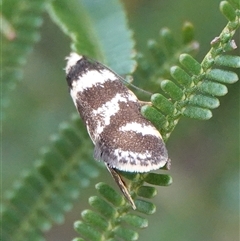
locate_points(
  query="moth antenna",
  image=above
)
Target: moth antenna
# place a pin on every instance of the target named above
(134, 86)
(123, 80)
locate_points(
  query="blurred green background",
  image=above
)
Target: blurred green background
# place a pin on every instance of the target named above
(203, 201)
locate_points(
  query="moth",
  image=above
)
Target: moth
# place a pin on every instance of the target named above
(124, 140)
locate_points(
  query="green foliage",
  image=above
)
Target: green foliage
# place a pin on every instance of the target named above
(46, 192)
(43, 195)
(111, 217)
(194, 87)
(84, 22)
(20, 22)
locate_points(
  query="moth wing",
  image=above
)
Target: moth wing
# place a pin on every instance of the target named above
(132, 161)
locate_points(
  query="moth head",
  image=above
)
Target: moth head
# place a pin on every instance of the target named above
(72, 60)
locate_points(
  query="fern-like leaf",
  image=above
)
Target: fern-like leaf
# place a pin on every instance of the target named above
(43, 195)
(20, 26)
(164, 56)
(193, 88)
(111, 218)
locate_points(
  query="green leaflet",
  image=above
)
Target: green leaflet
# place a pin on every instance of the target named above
(87, 231)
(181, 76)
(135, 220)
(158, 179)
(96, 220)
(228, 60)
(157, 118)
(197, 113)
(228, 10)
(172, 89)
(190, 63)
(92, 29)
(205, 101)
(212, 88)
(188, 32)
(146, 191)
(163, 104)
(126, 233)
(222, 76)
(110, 194)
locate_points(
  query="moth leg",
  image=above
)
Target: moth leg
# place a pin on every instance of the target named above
(121, 185)
(144, 103)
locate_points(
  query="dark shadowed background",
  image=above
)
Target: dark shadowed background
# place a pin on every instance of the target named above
(203, 201)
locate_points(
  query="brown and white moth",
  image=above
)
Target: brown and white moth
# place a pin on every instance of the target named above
(123, 138)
